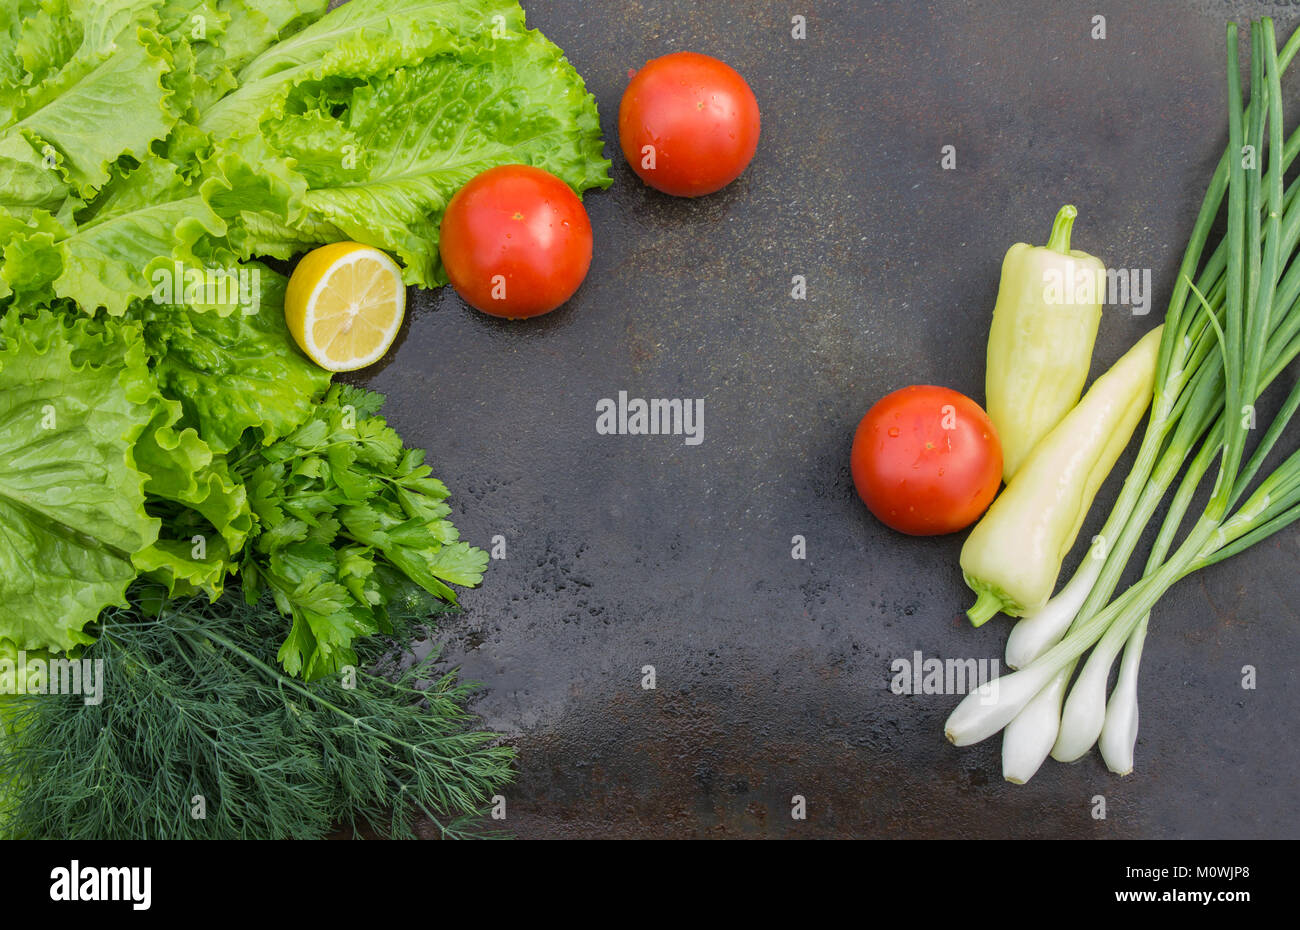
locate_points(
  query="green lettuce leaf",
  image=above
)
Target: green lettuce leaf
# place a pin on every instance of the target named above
(154, 217)
(30, 260)
(29, 179)
(74, 398)
(212, 518)
(72, 119)
(237, 371)
(12, 73)
(224, 35)
(41, 38)
(156, 190)
(359, 39)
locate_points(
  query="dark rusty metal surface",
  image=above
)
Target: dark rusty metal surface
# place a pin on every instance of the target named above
(772, 673)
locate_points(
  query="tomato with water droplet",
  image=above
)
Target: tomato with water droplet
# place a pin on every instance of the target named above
(688, 124)
(926, 460)
(516, 242)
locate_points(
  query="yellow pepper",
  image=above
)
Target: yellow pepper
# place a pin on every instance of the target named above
(1013, 556)
(1040, 343)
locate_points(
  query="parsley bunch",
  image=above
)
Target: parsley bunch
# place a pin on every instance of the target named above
(346, 517)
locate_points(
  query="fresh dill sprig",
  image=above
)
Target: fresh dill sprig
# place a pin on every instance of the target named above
(201, 735)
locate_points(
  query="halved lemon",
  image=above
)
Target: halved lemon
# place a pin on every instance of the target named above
(344, 305)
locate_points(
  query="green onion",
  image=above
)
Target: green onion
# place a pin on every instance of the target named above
(1119, 732)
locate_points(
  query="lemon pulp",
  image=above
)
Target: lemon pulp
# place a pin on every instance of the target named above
(344, 305)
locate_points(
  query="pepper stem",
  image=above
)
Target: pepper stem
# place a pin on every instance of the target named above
(987, 605)
(1060, 238)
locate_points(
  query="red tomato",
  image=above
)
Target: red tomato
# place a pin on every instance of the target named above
(688, 124)
(516, 242)
(926, 460)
